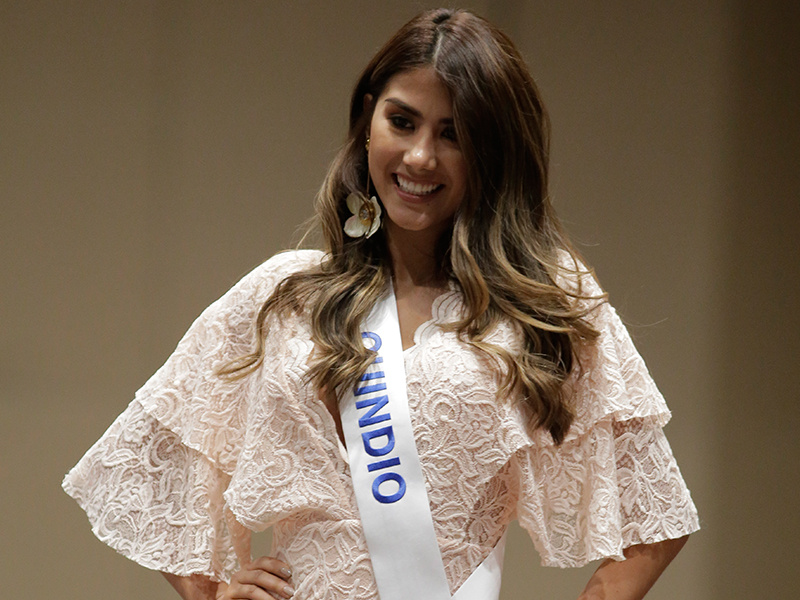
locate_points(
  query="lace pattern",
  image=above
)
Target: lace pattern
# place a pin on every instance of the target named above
(192, 449)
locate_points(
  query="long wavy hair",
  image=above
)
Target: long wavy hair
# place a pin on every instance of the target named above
(505, 249)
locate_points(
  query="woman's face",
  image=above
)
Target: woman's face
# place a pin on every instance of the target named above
(415, 160)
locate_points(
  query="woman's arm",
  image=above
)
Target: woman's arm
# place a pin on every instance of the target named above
(632, 578)
(263, 579)
(194, 587)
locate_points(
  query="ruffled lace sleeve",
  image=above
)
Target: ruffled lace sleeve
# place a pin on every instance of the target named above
(153, 485)
(614, 481)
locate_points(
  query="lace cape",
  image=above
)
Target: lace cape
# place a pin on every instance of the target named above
(163, 484)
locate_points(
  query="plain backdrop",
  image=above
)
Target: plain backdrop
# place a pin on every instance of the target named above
(151, 153)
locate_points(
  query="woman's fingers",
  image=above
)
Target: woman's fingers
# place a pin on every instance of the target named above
(263, 579)
(272, 565)
(253, 592)
(255, 585)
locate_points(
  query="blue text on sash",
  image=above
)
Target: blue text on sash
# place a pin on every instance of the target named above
(378, 441)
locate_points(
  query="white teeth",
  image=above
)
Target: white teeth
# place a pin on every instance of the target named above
(418, 189)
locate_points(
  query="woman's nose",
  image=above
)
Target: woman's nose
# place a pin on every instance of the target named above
(422, 154)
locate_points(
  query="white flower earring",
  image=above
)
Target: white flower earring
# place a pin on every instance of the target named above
(366, 218)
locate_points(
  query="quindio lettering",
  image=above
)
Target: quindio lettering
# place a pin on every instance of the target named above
(377, 434)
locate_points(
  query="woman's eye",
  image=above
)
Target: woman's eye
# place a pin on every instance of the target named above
(400, 122)
(449, 133)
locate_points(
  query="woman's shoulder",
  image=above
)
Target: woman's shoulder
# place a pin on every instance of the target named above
(575, 277)
(287, 262)
(278, 267)
(236, 309)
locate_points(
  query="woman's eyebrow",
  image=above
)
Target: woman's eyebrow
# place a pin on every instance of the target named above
(411, 110)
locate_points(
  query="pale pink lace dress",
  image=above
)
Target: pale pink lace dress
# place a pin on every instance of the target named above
(192, 450)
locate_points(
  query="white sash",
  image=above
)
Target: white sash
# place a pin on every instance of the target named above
(388, 480)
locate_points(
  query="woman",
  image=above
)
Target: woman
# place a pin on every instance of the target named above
(526, 397)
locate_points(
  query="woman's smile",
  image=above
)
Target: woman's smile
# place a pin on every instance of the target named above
(414, 188)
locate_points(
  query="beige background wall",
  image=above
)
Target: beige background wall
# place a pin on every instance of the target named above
(153, 152)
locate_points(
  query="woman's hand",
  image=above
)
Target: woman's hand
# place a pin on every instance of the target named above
(265, 578)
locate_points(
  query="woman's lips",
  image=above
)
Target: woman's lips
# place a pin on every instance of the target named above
(415, 188)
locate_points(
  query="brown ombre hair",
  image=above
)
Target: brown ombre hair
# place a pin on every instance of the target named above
(506, 249)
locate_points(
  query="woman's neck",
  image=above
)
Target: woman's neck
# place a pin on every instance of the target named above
(414, 259)
(418, 278)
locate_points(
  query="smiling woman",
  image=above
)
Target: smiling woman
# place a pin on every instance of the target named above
(389, 404)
